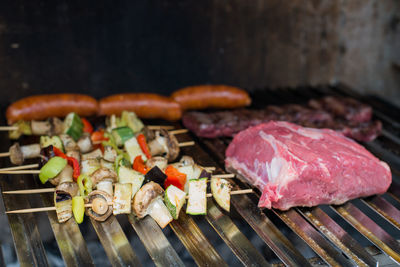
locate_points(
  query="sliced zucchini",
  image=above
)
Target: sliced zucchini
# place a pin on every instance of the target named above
(221, 191)
(134, 150)
(128, 175)
(132, 121)
(89, 166)
(121, 135)
(73, 126)
(174, 199)
(24, 128)
(55, 141)
(197, 202)
(122, 199)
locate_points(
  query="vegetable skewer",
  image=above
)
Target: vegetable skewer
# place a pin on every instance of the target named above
(236, 192)
(52, 189)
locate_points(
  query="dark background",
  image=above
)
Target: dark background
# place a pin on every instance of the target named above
(105, 47)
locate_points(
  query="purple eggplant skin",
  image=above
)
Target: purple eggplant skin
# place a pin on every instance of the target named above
(156, 175)
(46, 154)
(205, 174)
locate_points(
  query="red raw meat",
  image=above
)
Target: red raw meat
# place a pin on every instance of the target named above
(297, 166)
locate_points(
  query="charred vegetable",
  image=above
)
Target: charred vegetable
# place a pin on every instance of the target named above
(197, 202)
(148, 201)
(174, 200)
(221, 191)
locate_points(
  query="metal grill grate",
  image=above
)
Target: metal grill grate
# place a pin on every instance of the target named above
(318, 227)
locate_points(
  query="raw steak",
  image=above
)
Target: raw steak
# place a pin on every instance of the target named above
(297, 166)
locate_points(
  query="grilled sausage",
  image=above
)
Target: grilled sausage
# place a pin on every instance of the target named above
(40, 107)
(145, 105)
(211, 96)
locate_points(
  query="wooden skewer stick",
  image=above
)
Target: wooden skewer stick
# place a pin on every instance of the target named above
(209, 169)
(23, 167)
(158, 127)
(179, 131)
(236, 192)
(190, 143)
(151, 127)
(8, 128)
(4, 154)
(31, 191)
(21, 172)
(229, 175)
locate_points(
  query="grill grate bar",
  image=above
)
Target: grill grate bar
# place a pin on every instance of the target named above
(314, 239)
(338, 236)
(385, 209)
(24, 230)
(369, 229)
(223, 225)
(233, 237)
(155, 242)
(115, 243)
(195, 242)
(69, 238)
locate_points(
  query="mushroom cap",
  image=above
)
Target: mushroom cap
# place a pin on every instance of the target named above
(172, 143)
(68, 142)
(186, 160)
(65, 176)
(144, 197)
(149, 134)
(103, 174)
(16, 156)
(57, 126)
(91, 197)
(69, 188)
(158, 161)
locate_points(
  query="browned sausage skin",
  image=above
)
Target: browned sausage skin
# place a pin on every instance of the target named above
(211, 96)
(40, 107)
(145, 105)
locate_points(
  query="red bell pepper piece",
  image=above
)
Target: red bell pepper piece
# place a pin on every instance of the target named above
(175, 178)
(87, 127)
(71, 161)
(138, 165)
(98, 136)
(141, 139)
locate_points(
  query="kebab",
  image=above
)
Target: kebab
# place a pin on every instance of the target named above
(102, 180)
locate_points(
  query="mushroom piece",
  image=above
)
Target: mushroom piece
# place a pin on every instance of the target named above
(65, 176)
(41, 127)
(160, 162)
(95, 154)
(186, 160)
(103, 178)
(100, 209)
(149, 201)
(149, 134)
(68, 142)
(19, 153)
(57, 126)
(85, 143)
(16, 156)
(70, 188)
(164, 144)
(110, 154)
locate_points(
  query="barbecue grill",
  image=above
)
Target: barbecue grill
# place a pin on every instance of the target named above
(362, 232)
